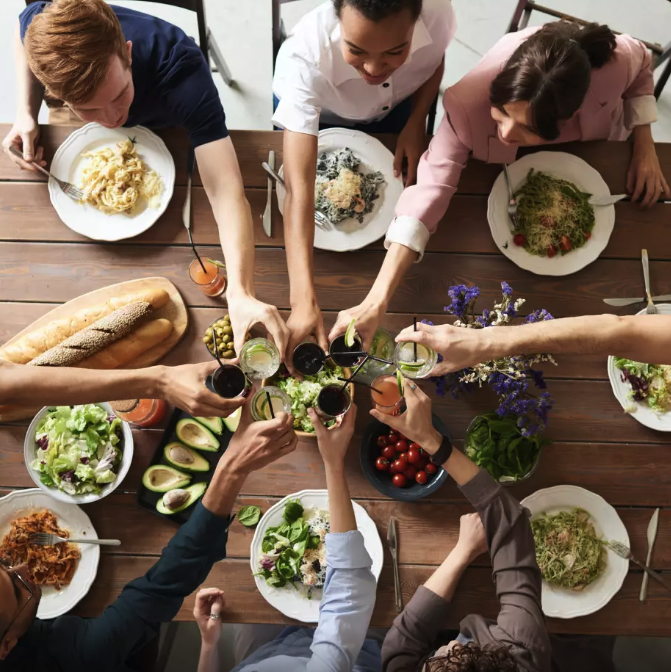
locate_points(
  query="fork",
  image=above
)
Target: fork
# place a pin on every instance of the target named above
(624, 552)
(46, 539)
(512, 203)
(651, 308)
(67, 188)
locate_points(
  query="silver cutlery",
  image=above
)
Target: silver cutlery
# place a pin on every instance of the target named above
(652, 535)
(512, 203)
(624, 552)
(67, 188)
(321, 220)
(600, 201)
(392, 542)
(267, 213)
(651, 308)
(45, 539)
(186, 209)
(631, 302)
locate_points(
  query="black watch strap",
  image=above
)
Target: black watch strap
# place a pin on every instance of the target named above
(443, 453)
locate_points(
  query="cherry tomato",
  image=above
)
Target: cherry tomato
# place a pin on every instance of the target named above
(431, 469)
(382, 464)
(398, 466)
(399, 480)
(402, 438)
(403, 457)
(410, 472)
(402, 446)
(393, 436)
(565, 243)
(382, 441)
(416, 446)
(519, 239)
(389, 452)
(552, 250)
(421, 477)
(422, 464)
(414, 456)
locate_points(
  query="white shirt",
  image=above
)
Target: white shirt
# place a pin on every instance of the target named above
(314, 82)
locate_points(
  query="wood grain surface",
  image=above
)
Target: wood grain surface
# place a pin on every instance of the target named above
(595, 445)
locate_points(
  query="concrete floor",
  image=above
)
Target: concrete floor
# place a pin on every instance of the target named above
(243, 31)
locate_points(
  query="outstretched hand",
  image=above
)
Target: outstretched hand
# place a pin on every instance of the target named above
(207, 612)
(333, 442)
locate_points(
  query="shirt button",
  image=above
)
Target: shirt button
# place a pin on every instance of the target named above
(385, 108)
(386, 85)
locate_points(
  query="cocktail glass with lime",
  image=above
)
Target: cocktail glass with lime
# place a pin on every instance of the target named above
(383, 348)
(279, 402)
(259, 358)
(415, 360)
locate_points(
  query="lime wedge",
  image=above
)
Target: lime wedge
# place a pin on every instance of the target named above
(412, 366)
(219, 264)
(401, 383)
(349, 335)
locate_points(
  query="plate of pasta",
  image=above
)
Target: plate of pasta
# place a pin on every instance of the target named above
(559, 231)
(127, 176)
(64, 572)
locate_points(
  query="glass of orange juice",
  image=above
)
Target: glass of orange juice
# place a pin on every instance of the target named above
(211, 281)
(140, 412)
(386, 396)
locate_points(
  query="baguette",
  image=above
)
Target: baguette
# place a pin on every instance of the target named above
(96, 337)
(130, 347)
(38, 341)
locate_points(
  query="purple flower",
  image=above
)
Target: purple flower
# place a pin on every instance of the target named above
(538, 316)
(42, 442)
(506, 289)
(463, 298)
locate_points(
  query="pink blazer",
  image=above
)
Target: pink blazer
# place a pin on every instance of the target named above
(620, 97)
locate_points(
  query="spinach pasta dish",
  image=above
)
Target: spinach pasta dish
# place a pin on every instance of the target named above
(568, 552)
(554, 215)
(341, 191)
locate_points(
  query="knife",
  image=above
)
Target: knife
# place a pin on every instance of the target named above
(652, 535)
(606, 200)
(267, 214)
(393, 543)
(630, 302)
(186, 210)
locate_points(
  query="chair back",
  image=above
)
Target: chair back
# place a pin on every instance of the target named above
(279, 34)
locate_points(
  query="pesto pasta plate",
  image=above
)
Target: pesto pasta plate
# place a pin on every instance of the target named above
(577, 518)
(559, 232)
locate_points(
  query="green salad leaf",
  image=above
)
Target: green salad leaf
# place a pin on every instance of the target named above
(249, 515)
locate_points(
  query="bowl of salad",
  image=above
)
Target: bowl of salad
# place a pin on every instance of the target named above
(78, 454)
(303, 392)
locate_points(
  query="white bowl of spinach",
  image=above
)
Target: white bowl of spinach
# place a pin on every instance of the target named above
(497, 445)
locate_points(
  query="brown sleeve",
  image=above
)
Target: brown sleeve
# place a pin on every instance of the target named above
(414, 632)
(518, 580)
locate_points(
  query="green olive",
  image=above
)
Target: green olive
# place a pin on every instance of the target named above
(248, 337)
(206, 340)
(225, 338)
(230, 345)
(228, 330)
(227, 319)
(227, 354)
(208, 332)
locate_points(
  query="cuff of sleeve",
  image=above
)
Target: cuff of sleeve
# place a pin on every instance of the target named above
(208, 522)
(295, 118)
(346, 550)
(431, 609)
(481, 489)
(640, 111)
(410, 232)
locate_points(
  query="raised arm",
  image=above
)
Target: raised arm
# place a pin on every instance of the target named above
(349, 592)
(220, 172)
(300, 169)
(25, 132)
(643, 338)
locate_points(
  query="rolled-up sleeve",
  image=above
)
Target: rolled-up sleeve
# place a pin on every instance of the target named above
(640, 106)
(346, 606)
(421, 207)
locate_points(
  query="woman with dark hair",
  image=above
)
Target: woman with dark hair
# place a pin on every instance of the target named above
(370, 65)
(559, 83)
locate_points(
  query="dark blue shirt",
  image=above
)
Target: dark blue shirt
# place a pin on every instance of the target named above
(172, 80)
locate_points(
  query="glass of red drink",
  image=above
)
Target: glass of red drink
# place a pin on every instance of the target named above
(140, 412)
(333, 401)
(229, 381)
(211, 281)
(387, 399)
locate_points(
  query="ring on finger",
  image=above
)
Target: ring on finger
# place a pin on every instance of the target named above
(215, 617)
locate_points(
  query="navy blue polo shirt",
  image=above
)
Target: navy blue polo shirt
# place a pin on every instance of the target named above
(172, 80)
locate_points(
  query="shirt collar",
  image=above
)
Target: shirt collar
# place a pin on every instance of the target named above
(342, 71)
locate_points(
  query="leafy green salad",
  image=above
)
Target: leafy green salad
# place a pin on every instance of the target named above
(650, 383)
(79, 449)
(295, 552)
(303, 394)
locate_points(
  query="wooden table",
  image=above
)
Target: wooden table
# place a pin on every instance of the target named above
(596, 445)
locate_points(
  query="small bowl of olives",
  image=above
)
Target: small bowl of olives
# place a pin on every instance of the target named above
(220, 335)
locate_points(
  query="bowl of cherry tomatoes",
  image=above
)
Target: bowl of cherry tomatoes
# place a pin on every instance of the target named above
(398, 467)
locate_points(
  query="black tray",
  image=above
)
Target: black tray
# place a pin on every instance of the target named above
(147, 498)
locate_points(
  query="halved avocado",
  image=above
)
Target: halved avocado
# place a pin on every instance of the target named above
(195, 435)
(185, 458)
(161, 478)
(233, 420)
(213, 423)
(180, 498)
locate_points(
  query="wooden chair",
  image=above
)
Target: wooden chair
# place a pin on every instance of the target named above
(279, 35)
(660, 54)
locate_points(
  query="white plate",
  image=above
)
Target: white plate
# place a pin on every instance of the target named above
(349, 234)
(68, 164)
(563, 603)
(567, 167)
(621, 389)
(293, 603)
(76, 522)
(30, 452)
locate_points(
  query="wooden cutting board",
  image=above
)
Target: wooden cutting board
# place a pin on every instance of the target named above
(175, 311)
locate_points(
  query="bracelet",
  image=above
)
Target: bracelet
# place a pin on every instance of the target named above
(443, 453)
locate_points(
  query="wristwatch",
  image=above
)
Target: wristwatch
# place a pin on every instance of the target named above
(443, 453)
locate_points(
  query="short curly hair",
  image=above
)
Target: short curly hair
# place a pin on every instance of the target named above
(378, 10)
(473, 658)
